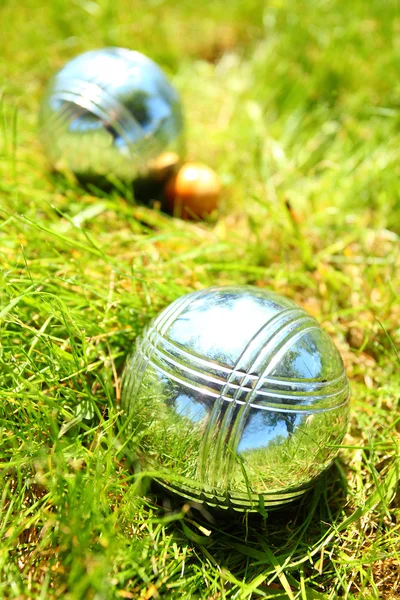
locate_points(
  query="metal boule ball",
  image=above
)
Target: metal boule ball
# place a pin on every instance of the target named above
(238, 398)
(111, 113)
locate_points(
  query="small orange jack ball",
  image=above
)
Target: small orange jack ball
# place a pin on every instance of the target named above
(193, 191)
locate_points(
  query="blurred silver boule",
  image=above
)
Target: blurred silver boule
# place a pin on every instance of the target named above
(236, 398)
(111, 113)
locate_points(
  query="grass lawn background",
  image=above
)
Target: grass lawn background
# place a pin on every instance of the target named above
(297, 106)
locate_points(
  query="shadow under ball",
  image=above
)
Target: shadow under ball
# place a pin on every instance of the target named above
(236, 398)
(112, 113)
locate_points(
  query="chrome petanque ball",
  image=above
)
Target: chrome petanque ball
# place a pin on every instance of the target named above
(236, 398)
(111, 112)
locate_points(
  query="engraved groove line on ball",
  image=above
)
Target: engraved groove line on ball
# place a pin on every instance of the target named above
(270, 358)
(237, 498)
(280, 382)
(76, 102)
(212, 393)
(271, 407)
(265, 392)
(92, 94)
(265, 339)
(164, 319)
(59, 119)
(270, 394)
(76, 111)
(146, 359)
(283, 382)
(256, 343)
(283, 338)
(88, 96)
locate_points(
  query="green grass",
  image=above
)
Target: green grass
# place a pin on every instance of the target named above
(297, 106)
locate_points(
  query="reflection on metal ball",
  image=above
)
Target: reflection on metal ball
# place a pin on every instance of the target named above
(238, 398)
(111, 112)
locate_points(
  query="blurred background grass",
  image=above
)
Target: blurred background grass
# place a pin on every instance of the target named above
(296, 105)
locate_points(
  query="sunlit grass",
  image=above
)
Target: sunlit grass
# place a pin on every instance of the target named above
(296, 105)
